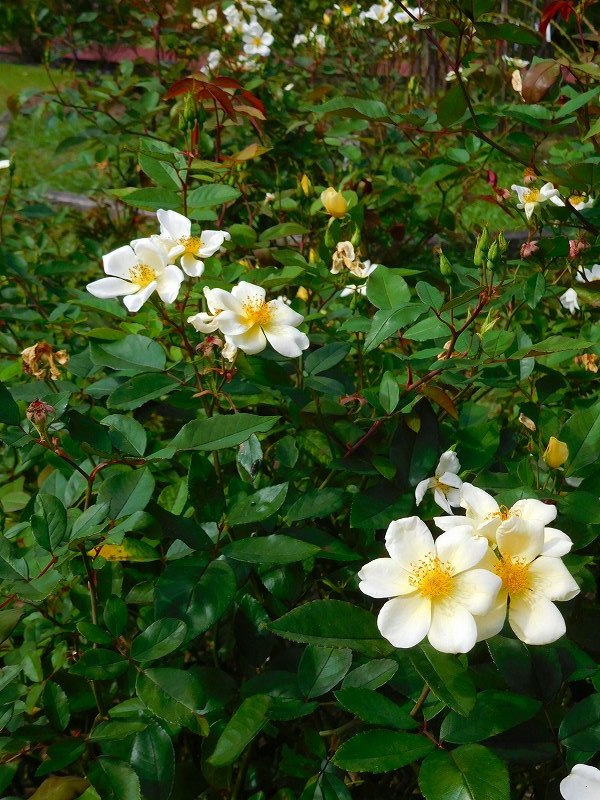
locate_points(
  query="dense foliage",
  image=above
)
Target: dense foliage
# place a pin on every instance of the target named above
(300, 420)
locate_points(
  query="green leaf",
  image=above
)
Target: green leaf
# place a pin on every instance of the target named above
(387, 321)
(242, 728)
(258, 506)
(471, 772)
(161, 171)
(115, 730)
(128, 436)
(158, 640)
(494, 343)
(452, 106)
(114, 780)
(325, 358)
(507, 31)
(316, 503)
(115, 615)
(577, 102)
(174, 695)
(375, 709)
(580, 728)
(100, 665)
(49, 523)
(197, 593)
(141, 389)
(534, 289)
(56, 705)
(389, 392)
(219, 432)
(153, 759)
(274, 549)
(134, 353)
(381, 751)
(127, 492)
(90, 521)
(446, 677)
(494, 712)
(429, 295)
(148, 199)
(386, 288)
(354, 107)
(371, 675)
(66, 787)
(214, 194)
(333, 623)
(582, 435)
(9, 410)
(322, 668)
(282, 230)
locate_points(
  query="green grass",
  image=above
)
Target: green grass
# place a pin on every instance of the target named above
(17, 78)
(35, 131)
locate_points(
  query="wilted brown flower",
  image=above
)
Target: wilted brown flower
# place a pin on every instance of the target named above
(527, 422)
(39, 413)
(41, 361)
(588, 361)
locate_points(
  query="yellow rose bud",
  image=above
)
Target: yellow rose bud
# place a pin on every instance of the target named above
(334, 202)
(326, 19)
(306, 185)
(313, 256)
(556, 453)
(302, 294)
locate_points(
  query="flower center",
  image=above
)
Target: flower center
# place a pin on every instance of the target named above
(514, 574)
(257, 41)
(192, 244)
(432, 577)
(142, 275)
(257, 311)
(532, 196)
(575, 199)
(503, 514)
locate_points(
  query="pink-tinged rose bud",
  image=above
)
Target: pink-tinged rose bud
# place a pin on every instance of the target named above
(576, 246)
(529, 175)
(39, 414)
(528, 249)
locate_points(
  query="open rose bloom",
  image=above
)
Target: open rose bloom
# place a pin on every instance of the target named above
(582, 784)
(436, 586)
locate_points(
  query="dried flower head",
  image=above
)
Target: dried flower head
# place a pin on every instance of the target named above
(588, 361)
(41, 361)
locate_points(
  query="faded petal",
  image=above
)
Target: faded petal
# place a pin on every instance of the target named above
(203, 322)
(192, 266)
(106, 288)
(550, 577)
(404, 621)
(135, 301)
(476, 590)
(252, 341)
(173, 225)
(119, 262)
(556, 543)
(453, 628)
(535, 619)
(520, 538)
(286, 340)
(408, 541)
(384, 577)
(168, 283)
(461, 548)
(441, 499)
(582, 784)
(448, 463)
(421, 488)
(490, 624)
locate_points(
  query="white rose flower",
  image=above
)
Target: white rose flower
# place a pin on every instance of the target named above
(582, 784)
(378, 12)
(445, 483)
(268, 11)
(5, 163)
(515, 63)
(580, 201)
(136, 271)
(530, 198)
(249, 321)
(176, 234)
(569, 300)
(489, 519)
(434, 586)
(257, 41)
(533, 576)
(585, 275)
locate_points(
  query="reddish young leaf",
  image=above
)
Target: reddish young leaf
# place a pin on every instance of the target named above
(539, 79)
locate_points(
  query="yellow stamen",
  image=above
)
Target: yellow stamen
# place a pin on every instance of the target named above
(257, 311)
(514, 574)
(192, 244)
(142, 275)
(432, 577)
(575, 199)
(531, 196)
(503, 514)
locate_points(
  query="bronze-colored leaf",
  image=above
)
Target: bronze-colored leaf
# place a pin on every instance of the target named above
(539, 79)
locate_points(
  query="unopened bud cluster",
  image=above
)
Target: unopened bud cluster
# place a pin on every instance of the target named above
(489, 253)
